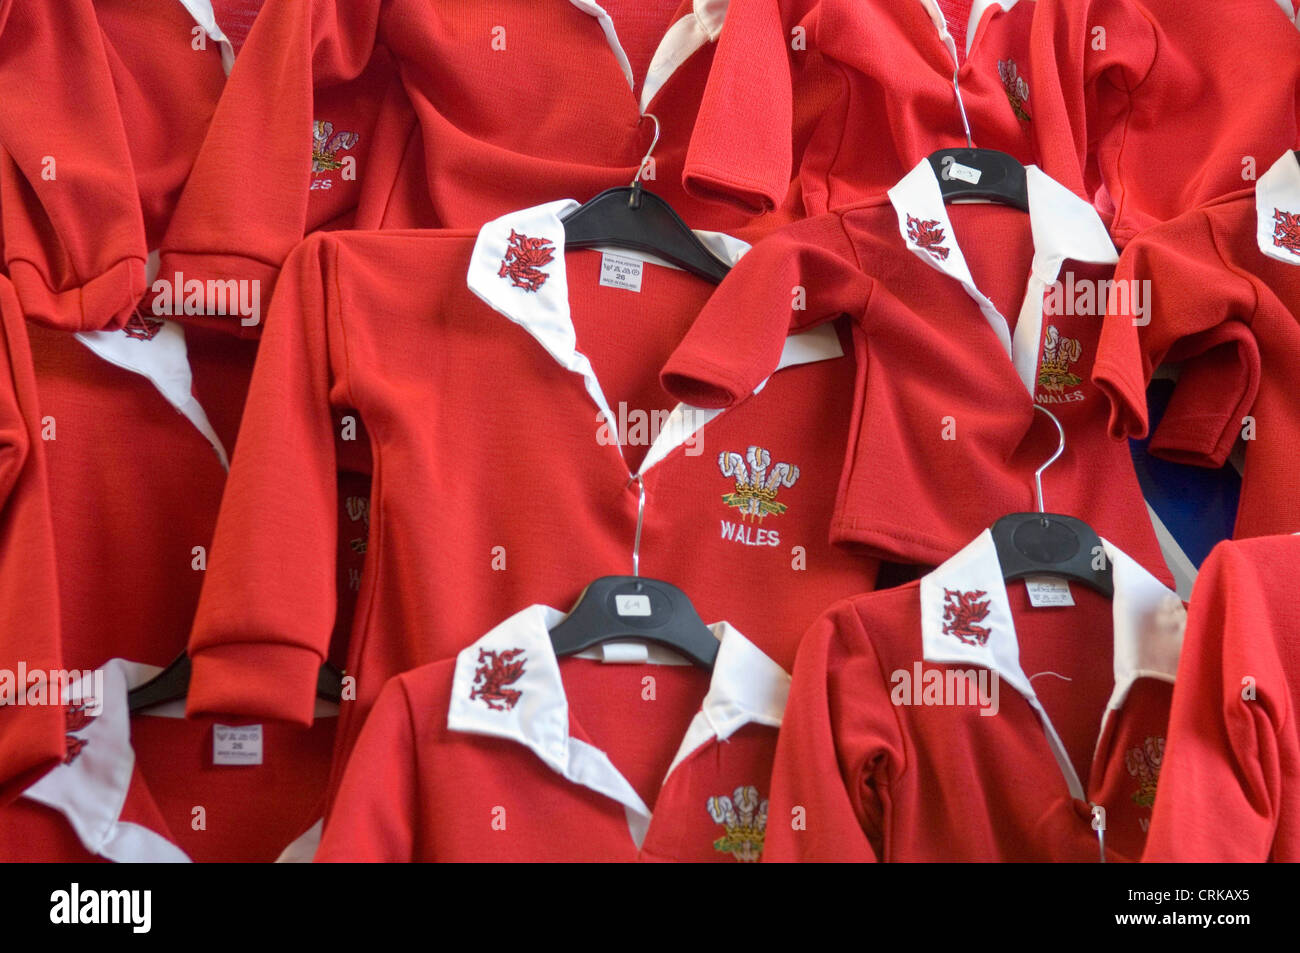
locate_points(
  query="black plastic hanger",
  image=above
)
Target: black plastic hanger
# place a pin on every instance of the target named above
(997, 176)
(635, 218)
(972, 173)
(173, 684)
(1033, 544)
(623, 607)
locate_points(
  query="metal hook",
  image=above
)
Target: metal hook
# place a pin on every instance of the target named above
(961, 107)
(640, 519)
(634, 200)
(1060, 449)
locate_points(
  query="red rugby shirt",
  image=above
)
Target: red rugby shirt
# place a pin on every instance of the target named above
(1224, 305)
(944, 438)
(504, 753)
(890, 751)
(1230, 781)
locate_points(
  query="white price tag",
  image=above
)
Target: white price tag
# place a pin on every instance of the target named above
(964, 172)
(632, 605)
(1048, 591)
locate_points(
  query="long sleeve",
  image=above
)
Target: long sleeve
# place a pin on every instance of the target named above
(1229, 786)
(244, 206)
(267, 608)
(31, 736)
(839, 734)
(74, 234)
(377, 810)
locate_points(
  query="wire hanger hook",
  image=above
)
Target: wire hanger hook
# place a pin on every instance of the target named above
(640, 520)
(1060, 449)
(634, 200)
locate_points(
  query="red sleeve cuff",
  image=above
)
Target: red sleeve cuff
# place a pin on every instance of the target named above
(104, 303)
(255, 680)
(699, 382)
(220, 310)
(1128, 400)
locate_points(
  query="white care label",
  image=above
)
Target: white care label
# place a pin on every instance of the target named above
(632, 605)
(241, 745)
(964, 172)
(1048, 591)
(619, 271)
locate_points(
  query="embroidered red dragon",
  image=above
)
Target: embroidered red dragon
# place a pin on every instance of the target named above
(524, 260)
(927, 235)
(496, 671)
(141, 328)
(961, 612)
(1286, 230)
(76, 718)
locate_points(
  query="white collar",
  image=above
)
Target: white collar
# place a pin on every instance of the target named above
(1292, 13)
(204, 16)
(977, 9)
(544, 312)
(679, 43)
(1148, 621)
(746, 687)
(91, 790)
(1062, 225)
(1277, 209)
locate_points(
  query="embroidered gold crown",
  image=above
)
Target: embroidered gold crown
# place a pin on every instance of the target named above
(1055, 369)
(756, 484)
(744, 818)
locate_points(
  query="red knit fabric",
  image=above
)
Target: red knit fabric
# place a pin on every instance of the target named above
(1230, 779)
(1231, 315)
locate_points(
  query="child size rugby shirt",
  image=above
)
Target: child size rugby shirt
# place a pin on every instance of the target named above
(147, 405)
(944, 437)
(1153, 107)
(504, 753)
(1230, 777)
(951, 720)
(513, 411)
(109, 101)
(30, 735)
(156, 788)
(1224, 296)
(882, 74)
(475, 131)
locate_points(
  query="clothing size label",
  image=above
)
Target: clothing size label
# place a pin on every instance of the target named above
(964, 172)
(236, 746)
(632, 605)
(1048, 591)
(618, 271)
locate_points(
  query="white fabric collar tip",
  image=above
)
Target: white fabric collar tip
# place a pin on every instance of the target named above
(966, 619)
(91, 789)
(1277, 210)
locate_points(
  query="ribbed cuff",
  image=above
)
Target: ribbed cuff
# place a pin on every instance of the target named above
(104, 303)
(255, 280)
(255, 680)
